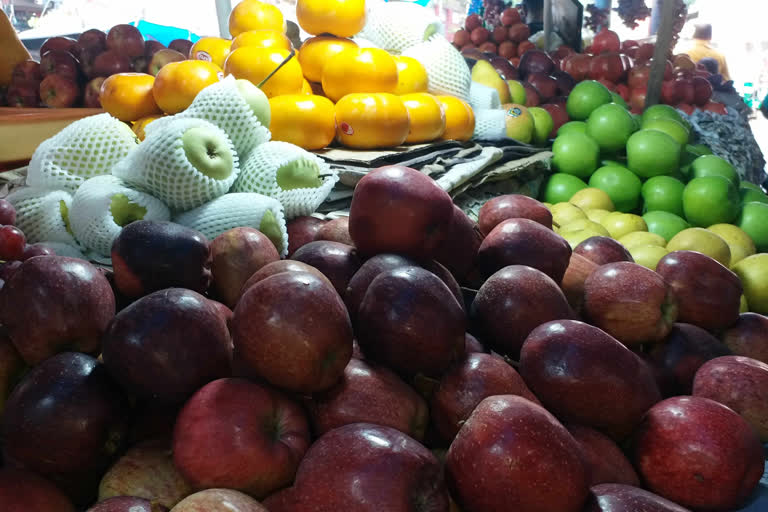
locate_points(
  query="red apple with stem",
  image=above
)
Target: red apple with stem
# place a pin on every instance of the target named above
(125, 40)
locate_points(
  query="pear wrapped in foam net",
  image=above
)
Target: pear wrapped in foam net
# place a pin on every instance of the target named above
(395, 26)
(67, 250)
(223, 104)
(240, 210)
(490, 124)
(297, 178)
(482, 97)
(84, 149)
(103, 205)
(447, 71)
(160, 166)
(43, 214)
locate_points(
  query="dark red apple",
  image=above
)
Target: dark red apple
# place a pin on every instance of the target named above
(57, 91)
(219, 500)
(370, 468)
(579, 269)
(611, 86)
(489, 48)
(24, 94)
(141, 64)
(110, 63)
(466, 384)
(66, 44)
(236, 254)
(606, 462)
(544, 84)
(37, 307)
(418, 213)
(638, 76)
(585, 376)
(368, 393)
(577, 65)
(11, 368)
(92, 96)
(162, 57)
(153, 255)
(702, 90)
(508, 50)
(559, 117)
(363, 278)
(534, 61)
(461, 38)
(127, 504)
(602, 250)
(740, 383)
(748, 337)
(565, 82)
(626, 498)
(623, 91)
(410, 321)
(473, 346)
(279, 267)
(637, 97)
(630, 302)
(669, 93)
(61, 63)
(532, 97)
(460, 245)
(237, 434)
(66, 420)
(716, 107)
(24, 491)
(293, 330)
(606, 41)
(27, 70)
(93, 38)
(505, 69)
(146, 471)
(166, 345)
(479, 36)
(644, 52)
(182, 46)
(510, 16)
(301, 231)
(685, 90)
(126, 40)
(698, 453)
(518, 32)
(525, 454)
(337, 261)
(335, 230)
(524, 242)
(151, 47)
(608, 66)
(708, 294)
(513, 302)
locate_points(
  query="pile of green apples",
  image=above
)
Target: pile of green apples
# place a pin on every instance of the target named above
(639, 180)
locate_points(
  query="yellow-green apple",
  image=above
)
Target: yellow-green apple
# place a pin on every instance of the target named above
(748, 336)
(620, 224)
(507, 436)
(648, 255)
(219, 500)
(703, 241)
(585, 376)
(237, 434)
(753, 272)
(606, 462)
(162, 57)
(698, 453)
(338, 262)
(739, 243)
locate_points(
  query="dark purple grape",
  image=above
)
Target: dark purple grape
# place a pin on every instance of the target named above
(7, 213)
(12, 242)
(31, 250)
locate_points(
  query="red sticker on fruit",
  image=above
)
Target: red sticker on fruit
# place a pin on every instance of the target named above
(347, 129)
(201, 55)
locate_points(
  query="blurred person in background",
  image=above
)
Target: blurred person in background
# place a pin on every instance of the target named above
(702, 47)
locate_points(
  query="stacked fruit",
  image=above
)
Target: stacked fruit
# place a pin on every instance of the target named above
(509, 39)
(13, 244)
(356, 374)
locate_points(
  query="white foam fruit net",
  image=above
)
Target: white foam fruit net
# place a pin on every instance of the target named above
(259, 171)
(101, 207)
(395, 26)
(43, 214)
(159, 166)
(490, 125)
(482, 97)
(223, 105)
(447, 71)
(86, 148)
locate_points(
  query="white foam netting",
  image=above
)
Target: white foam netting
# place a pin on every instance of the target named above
(447, 70)
(67, 250)
(259, 174)
(395, 26)
(490, 125)
(159, 166)
(86, 148)
(223, 105)
(482, 97)
(91, 214)
(238, 210)
(39, 214)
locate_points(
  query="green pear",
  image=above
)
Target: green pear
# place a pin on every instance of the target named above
(271, 229)
(301, 173)
(208, 152)
(124, 211)
(485, 74)
(516, 92)
(64, 210)
(256, 99)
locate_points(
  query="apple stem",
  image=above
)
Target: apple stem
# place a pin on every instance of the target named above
(285, 61)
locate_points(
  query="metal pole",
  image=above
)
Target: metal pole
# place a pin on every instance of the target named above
(547, 23)
(223, 8)
(663, 42)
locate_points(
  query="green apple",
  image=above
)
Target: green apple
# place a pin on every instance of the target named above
(674, 129)
(300, 173)
(751, 186)
(621, 185)
(712, 165)
(596, 214)
(516, 92)
(542, 124)
(607, 161)
(710, 200)
(640, 238)
(256, 99)
(575, 153)
(665, 224)
(663, 193)
(565, 213)
(652, 153)
(753, 272)
(272, 229)
(647, 255)
(571, 127)
(754, 222)
(585, 97)
(124, 211)
(619, 224)
(703, 241)
(617, 99)
(208, 152)
(519, 123)
(585, 223)
(662, 111)
(743, 304)
(560, 187)
(610, 125)
(592, 198)
(749, 195)
(739, 242)
(701, 149)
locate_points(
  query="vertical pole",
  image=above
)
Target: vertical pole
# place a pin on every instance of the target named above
(547, 23)
(663, 41)
(653, 26)
(223, 8)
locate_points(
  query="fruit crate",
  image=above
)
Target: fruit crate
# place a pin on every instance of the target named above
(23, 129)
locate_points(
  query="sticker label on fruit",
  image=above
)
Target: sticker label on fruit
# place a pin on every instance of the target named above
(514, 112)
(347, 129)
(201, 55)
